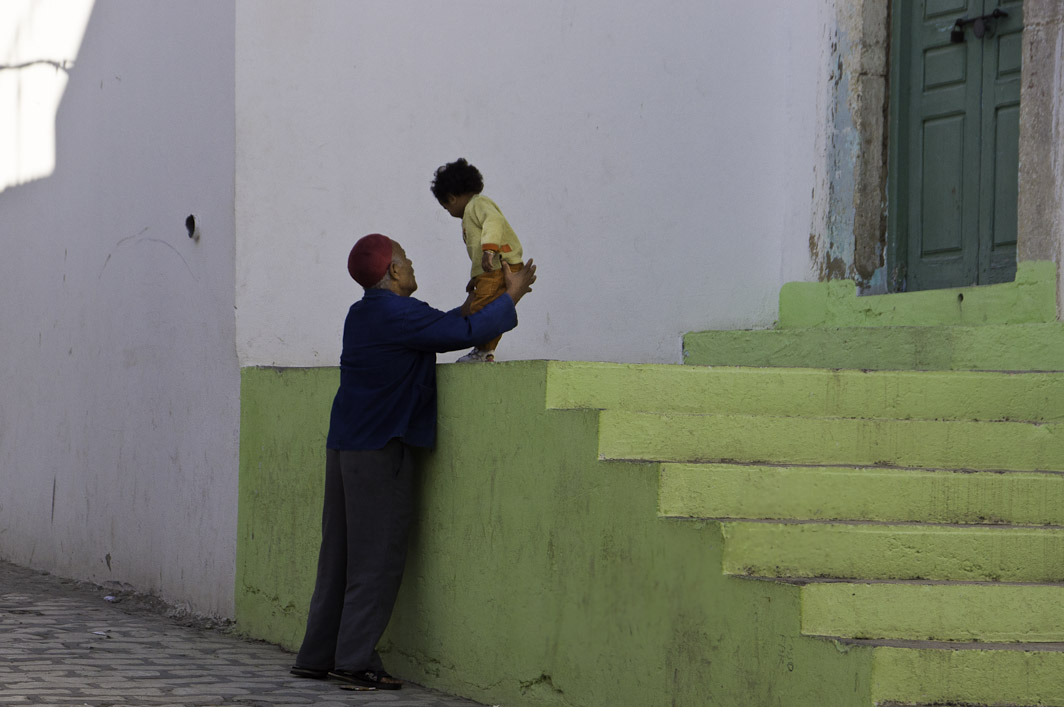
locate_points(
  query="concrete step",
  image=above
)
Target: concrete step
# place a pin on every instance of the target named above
(860, 493)
(863, 550)
(891, 703)
(1030, 298)
(678, 437)
(935, 611)
(805, 392)
(969, 674)
(1007, 326)
(1012, 347)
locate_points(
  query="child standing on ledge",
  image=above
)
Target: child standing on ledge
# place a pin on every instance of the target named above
(488, 237)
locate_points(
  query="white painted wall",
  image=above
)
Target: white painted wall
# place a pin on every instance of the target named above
(119, 378)
(656, 158)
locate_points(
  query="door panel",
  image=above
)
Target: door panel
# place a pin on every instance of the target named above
(942, 114)
(936, 8)
(954, 143)
(1006, 187)
(941, 188)
(1010, 44)
(944, 66)
(1000, 145)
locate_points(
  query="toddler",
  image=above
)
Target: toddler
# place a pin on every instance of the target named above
(488, 237)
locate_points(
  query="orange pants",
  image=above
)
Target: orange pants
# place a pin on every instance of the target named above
(485, 288)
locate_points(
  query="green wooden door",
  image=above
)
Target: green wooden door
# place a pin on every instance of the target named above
(954, 142)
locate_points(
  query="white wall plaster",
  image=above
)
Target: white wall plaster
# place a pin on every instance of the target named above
(656, 160)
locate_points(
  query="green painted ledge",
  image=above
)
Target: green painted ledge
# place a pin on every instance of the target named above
(944, 611)
(807, 392)
(538, 575)
(1031, 298)
(944, 444)
(977, 675)
(828, 493)
(880, 551)
(1007, 327)
(998, 347)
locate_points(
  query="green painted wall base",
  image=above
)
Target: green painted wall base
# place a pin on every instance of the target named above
(670, 535)
(284, 418)
(538, 574)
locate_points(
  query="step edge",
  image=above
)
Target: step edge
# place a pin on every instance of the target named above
(883, 524)
(805, 581)
(910, 644)
(856, 521)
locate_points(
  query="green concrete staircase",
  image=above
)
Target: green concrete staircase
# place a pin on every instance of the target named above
(920, 513)
(898, 458)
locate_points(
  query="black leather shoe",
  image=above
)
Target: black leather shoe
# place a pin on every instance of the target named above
(301, 672)
(374, 679)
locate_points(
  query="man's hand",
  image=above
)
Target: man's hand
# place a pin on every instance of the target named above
(519, 283)
(487, 261)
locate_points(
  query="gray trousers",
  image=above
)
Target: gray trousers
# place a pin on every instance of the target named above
(364, 527)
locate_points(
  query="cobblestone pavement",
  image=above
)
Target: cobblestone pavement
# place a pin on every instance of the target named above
(62, 643)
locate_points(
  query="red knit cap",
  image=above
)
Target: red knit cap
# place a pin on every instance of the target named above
(369, 259)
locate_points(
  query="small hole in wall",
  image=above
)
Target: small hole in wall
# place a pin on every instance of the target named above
(190, 225)
(960, 295)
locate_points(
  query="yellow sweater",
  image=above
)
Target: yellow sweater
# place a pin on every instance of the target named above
(485, 228)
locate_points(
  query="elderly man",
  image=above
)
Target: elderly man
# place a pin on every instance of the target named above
(386, 404)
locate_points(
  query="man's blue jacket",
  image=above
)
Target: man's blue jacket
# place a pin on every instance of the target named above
(388, 366)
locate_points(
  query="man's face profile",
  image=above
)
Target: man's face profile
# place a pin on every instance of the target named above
(404, 272)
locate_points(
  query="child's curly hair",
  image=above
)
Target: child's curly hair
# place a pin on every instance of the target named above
(456, 178)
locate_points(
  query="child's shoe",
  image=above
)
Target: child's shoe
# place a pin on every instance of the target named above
(478, 356)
